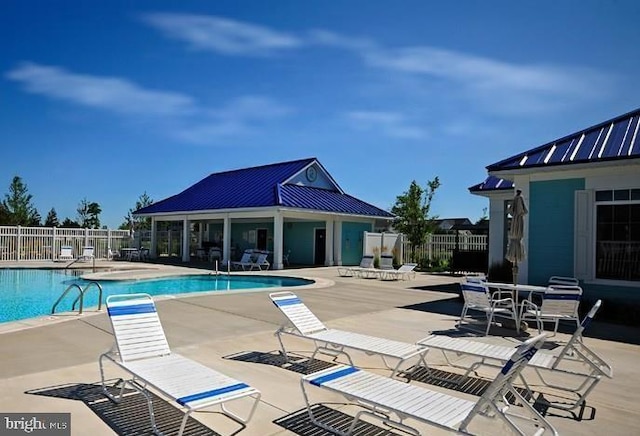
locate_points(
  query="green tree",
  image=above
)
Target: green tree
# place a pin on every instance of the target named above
(139, 223)
(89, 214)
(17, 205)
(412, 213)
(52, 219)
(69, 224)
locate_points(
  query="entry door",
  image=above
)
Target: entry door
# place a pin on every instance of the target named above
(261, 239)
(320, 251)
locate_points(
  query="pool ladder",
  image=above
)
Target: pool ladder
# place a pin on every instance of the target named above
(80, 298)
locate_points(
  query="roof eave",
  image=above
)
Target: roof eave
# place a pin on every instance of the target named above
(545, 168)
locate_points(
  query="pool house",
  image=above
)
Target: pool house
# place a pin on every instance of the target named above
(295, 210)
(583, 196)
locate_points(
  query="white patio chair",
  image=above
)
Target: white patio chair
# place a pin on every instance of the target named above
(577, 366)
(477, 298)
(559, 303)
(301, 322)
(563, 281)
(141, 349)
(396, 403)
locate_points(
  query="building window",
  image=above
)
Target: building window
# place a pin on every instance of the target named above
(618, 234)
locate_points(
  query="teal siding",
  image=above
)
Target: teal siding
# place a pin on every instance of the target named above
(298, 237)
(551, 228)
(352, 234)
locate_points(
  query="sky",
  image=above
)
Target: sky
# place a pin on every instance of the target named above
(106, 100)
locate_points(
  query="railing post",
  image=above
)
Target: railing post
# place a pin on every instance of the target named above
(19, 244)
(53, 243)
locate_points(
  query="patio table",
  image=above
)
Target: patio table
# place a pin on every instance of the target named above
(515, 290)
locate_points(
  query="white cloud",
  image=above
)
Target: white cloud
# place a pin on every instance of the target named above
(390, 124)
(494, 84)
(108, 93)
(240, 117)
(221, 35)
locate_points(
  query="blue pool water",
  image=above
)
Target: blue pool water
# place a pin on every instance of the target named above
(29, 293)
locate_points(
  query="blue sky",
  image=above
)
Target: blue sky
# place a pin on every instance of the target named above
(105, 100)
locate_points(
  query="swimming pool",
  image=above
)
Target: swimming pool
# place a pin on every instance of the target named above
(29, 293)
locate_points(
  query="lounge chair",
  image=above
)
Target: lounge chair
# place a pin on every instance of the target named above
(66, 253)
(304, 324)
(364, 269)
(575, 360)
(87, 254)
(406, 271)
(260, 262)
(244, 262)
(394, 402)
(477, 298)
(141, 349)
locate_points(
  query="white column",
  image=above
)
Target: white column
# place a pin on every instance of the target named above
(185, 240)
(329, 242)
(153, 251)
(497, 216)
(337, 242)
(278, 232)
(226, 240)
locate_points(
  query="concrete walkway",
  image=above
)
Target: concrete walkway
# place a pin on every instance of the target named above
(53, 367)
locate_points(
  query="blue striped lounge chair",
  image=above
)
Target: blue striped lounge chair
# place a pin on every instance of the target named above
(579, 367)
(399, 404)
(141, 349)
(301, 322)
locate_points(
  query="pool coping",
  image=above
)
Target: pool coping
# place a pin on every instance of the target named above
(153, 273)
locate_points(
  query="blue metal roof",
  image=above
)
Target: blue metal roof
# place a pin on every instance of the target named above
(614, 139)
(262, 186)
(306, 197)
(492, 183)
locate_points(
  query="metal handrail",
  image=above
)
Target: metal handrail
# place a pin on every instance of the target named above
(64, 294)
(81, 296)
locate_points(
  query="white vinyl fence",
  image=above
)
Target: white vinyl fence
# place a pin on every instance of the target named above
(43, 243)
(441, 247)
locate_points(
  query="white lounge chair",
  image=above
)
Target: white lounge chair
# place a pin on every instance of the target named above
(364, 269)
(574, 361)
(260, 262)
(66, 253)
(559, 303)
(245, 261)
(477, 298)
(304, 324)
(141, 349)
(405, 271)
(394, 402)
(87, 254)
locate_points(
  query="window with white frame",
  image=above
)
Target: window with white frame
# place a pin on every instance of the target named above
(618, 234)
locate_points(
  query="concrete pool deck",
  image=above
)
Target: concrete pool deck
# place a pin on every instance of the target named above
(53, 367)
